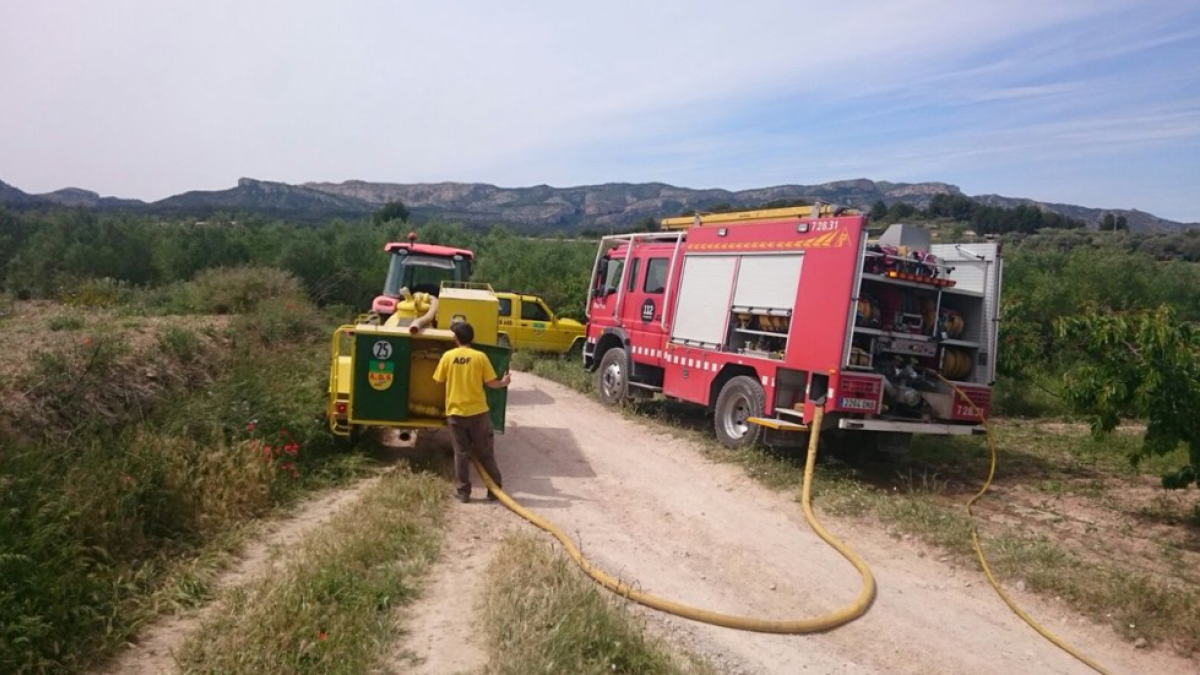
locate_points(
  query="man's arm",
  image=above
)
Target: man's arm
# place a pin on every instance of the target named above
(500, 382)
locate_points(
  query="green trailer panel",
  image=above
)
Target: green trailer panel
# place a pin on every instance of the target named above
(381, 374)
(497, 398)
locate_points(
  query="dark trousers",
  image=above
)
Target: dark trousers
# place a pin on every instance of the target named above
(472, 435)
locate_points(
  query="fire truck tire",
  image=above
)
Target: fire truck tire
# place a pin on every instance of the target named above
(741, 397)
(612, 377)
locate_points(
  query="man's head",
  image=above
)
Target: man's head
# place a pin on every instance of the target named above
(464, 335)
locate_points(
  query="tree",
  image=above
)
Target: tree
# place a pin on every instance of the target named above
(900, 211)
(954, 206)
(394, 210)
(878, 210)
(1108, 222)
(1143, 364)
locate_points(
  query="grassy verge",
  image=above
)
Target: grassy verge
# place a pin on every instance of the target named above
(562, 369)
(543, 616)
(330, 606)
(924, 497)
(132, 463)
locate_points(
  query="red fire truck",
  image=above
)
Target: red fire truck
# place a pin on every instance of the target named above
(761, 315)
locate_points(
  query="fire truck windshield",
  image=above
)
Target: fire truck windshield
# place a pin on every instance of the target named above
(610, 276)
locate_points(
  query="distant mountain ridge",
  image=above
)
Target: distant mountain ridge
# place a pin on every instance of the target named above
(540, 207)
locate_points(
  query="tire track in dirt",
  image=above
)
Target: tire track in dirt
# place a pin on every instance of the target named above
(442, 633)
(153, 653)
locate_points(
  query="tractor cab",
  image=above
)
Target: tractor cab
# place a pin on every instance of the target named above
(420, 268)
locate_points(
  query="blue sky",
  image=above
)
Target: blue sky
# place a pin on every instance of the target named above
(1093, 102)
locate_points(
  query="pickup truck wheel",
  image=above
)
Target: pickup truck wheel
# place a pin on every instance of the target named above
(503, 341)
(576, 349)
(612, 383)
(741, 397)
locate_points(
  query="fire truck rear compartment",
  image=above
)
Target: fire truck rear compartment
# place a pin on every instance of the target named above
(923, 313)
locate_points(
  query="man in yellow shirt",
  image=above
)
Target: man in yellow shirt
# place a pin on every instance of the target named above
(465, 372)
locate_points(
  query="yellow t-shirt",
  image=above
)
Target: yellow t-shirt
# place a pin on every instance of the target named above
(464, 370)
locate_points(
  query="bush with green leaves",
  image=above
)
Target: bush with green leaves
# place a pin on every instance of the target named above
(241, 289)
(1145, 365)
(128, 458)
(102, 292)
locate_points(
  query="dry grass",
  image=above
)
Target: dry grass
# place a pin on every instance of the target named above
(543, 616)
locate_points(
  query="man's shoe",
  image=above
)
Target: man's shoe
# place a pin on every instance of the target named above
(462, 498)
(491, 497)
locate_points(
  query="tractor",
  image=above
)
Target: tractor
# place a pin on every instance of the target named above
(381, 366)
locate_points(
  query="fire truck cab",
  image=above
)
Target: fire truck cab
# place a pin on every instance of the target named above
(762, 315)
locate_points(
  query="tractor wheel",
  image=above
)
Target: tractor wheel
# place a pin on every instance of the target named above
(740, 398)
(612, 380)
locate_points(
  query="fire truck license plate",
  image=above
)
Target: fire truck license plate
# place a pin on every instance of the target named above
(856, 403)
(963, 410)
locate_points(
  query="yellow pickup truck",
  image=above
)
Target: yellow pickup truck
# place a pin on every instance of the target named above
(529, 324)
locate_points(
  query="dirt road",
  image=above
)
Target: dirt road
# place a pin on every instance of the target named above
(655, 511)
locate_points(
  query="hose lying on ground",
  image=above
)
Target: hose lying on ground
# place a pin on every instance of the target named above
(816, 624)
(987, 570)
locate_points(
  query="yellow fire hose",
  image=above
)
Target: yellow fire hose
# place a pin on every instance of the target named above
(987, 570)
(796, 626)
(815, 624)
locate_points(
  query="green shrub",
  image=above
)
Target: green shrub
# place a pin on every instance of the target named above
(242, 289)
(280, 321)
(175, 298)
(64, 322)
(104, 292)
(136, 474)
(181, 343)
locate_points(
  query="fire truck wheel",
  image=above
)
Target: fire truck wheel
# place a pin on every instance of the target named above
(612, 382)
(740, 398)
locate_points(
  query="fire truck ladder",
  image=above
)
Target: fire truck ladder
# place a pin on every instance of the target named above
(700, 219)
